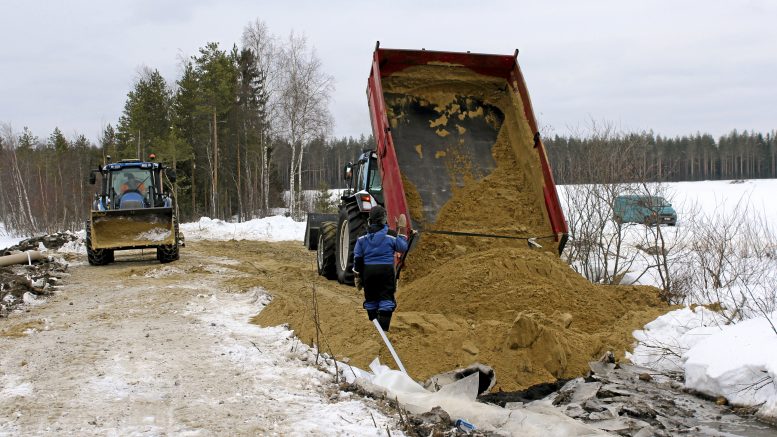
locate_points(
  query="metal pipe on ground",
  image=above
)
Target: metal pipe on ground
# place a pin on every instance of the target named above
(21, 258)
(390, 347)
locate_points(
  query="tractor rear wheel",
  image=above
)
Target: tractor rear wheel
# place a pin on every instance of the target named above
(325, 253)
(350, 226)
(96, 257)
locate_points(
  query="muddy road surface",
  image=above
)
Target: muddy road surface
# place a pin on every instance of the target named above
(140, 348)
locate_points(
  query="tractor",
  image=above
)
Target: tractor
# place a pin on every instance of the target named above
(132, 210)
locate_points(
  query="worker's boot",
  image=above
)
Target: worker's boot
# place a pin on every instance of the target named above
(384, 318)
(372, 314)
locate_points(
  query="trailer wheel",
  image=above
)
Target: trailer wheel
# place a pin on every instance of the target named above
(350, 226)
(96, 257)
(325, 252)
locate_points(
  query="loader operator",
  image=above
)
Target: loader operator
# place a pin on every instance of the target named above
(373, 261)
(132, 184)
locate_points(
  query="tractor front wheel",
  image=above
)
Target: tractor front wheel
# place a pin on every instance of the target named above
(96, 257)
(169, 253)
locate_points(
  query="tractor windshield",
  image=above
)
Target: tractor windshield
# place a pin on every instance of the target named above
(131, 179)
(130, 186)
(374, 185)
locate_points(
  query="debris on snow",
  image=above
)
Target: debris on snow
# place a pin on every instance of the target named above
(27, 284)
(615, 398)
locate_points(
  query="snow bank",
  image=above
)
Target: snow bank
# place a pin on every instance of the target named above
(276, 228)
(663, 341)
(738, 362)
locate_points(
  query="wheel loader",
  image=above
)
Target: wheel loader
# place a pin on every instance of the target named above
(436, 117)
(132, 210)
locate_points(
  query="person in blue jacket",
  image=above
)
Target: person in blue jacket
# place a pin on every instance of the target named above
(373, 261)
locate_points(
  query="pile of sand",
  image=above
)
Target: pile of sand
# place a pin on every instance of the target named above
(466, 299)
(470, 299)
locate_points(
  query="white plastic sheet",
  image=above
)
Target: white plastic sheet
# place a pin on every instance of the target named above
(458, 400)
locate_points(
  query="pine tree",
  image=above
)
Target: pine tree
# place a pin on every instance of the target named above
(217, 78)
(144, 125)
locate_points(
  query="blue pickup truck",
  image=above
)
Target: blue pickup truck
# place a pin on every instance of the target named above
(649, 210)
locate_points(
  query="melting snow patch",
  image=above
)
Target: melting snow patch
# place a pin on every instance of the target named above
(163, 272)
(12, 387)
(663, 341)
(282, 368)
(76, 247)
(227, 261)
(30, 299)
(736, 361)
(156, 234)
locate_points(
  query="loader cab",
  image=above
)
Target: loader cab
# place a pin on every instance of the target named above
(364, 175)
(131, 184)
(131, 188)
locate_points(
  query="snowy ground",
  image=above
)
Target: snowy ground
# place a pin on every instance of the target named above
(7, 239)
(135, 348)
(717, 358)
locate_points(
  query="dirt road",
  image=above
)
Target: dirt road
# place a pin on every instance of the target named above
(142, 348)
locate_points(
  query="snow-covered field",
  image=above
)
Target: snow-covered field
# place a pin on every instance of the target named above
(718, 357)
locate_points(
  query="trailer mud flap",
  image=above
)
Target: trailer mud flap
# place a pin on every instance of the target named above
(135, 228)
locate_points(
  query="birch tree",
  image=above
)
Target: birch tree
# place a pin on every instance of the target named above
(24, 219)
(264, 46)
(303, 107)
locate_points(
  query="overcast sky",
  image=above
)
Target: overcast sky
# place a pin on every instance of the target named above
(676, 67)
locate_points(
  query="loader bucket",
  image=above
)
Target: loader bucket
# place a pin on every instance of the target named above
(132, 228)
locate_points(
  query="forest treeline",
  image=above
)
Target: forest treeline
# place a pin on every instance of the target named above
(604, 155)
(242, 125)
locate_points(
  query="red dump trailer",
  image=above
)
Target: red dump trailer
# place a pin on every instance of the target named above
(436, 117)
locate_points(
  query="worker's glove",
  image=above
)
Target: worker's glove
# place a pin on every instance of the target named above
(402, 225)
(357, 280)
